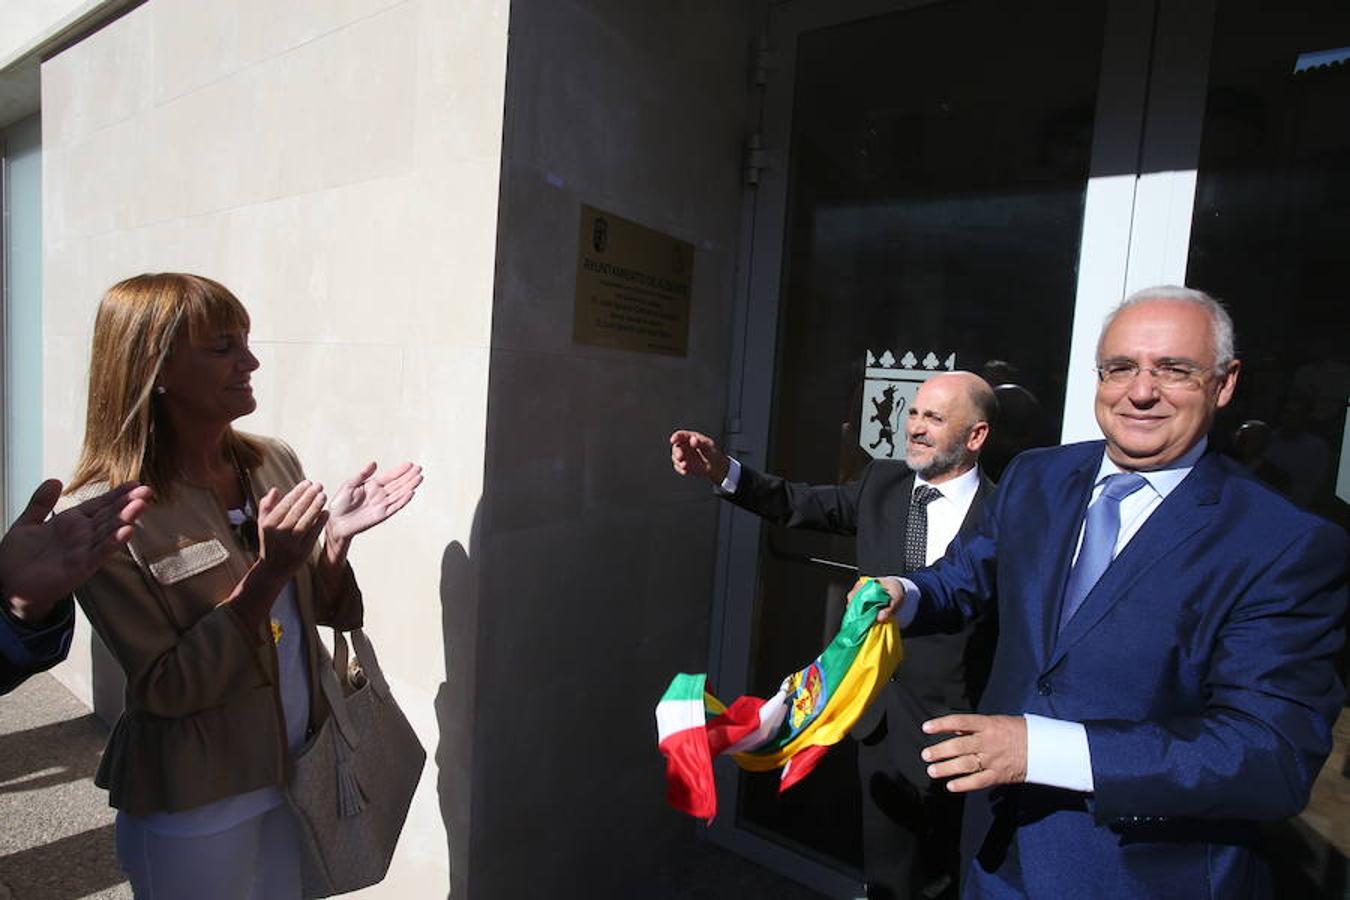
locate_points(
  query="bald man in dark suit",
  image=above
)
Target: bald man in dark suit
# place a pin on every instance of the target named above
(903, 515)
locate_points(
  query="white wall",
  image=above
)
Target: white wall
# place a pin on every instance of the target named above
(336, 164)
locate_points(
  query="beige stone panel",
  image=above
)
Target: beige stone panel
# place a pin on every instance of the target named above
(395, 260)
(276, 259)
(192, 44)
(461, 80)
(78, 271)
(439, 423)
(75, 275)
(104, 79)
(94, 184)
(199, 148)
(327, 400)
(441, 227)
(444, 405)
(268, 28)
(66, 379)
(199, 245)
(341, 405)
(337, 110)
(332, 265)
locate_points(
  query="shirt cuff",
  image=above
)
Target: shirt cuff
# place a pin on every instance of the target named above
(1058, 754)
(909, 605)
(733, 479)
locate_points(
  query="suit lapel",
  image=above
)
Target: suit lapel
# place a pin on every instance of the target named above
(1189, 508)
(897, 513)
(976, 503)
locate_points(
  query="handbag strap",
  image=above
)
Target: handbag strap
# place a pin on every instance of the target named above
(329, 683)
(333, 674)
(370, 664)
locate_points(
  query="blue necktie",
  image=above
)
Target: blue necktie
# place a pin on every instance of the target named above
(1099, 540)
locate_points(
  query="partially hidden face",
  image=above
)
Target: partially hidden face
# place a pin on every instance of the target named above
(209, 380)
(1149, 425)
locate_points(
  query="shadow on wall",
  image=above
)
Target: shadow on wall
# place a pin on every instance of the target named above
(455, 701)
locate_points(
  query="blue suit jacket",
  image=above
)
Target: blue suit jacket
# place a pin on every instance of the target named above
(25, 650)
(1202, 666)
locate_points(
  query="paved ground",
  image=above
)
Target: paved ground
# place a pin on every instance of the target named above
(56, 830)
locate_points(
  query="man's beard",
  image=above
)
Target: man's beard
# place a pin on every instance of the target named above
(943, 460)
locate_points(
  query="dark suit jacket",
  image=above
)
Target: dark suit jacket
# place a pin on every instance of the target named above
(25, 650)
(940, 673)
(1203, 666)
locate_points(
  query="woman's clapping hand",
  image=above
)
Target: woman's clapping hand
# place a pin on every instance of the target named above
(367, 499)
(288, 526)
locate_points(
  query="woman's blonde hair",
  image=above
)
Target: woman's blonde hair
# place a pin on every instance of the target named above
(126, 434)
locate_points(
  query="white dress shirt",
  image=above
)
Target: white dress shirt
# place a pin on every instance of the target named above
(946, 513)
(1057, 751)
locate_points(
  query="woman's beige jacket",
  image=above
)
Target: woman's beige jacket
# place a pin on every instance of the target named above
(203, 715)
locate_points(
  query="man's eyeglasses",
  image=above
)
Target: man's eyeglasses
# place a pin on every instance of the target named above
(1171, 375)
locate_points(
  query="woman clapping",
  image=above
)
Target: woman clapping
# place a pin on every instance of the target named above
(211, 609)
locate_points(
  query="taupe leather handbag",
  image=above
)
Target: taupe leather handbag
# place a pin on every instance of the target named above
(354, 780)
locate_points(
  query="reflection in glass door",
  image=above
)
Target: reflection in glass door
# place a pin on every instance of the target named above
(1271, 235)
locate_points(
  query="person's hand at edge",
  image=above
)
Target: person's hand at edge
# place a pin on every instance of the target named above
(694, 453)
(42, 560)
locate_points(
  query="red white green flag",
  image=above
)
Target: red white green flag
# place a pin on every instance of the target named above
(813, 709)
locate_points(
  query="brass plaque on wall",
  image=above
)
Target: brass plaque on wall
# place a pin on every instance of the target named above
(633, 286)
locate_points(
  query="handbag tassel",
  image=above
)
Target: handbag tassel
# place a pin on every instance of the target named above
(351, 799)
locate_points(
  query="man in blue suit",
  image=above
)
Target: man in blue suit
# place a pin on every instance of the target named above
(1165, 676)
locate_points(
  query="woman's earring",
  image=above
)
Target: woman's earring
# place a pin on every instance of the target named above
(159, 390)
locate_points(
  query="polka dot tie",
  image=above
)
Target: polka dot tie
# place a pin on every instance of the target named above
(916, 529)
